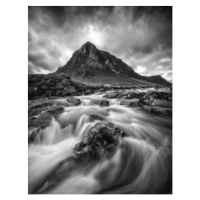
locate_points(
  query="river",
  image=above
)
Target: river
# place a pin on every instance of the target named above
(142, 163)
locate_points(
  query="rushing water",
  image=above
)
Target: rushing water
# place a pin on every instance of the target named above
(142, 163)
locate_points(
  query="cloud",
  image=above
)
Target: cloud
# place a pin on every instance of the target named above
(165, 60)
(159, 67)
(140, 36)
(140, 69)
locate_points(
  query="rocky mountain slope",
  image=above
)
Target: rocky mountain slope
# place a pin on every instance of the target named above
(88, 64)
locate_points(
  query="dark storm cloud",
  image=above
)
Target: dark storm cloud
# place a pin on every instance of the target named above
(141, 36)
(62, 14)
(159, 22)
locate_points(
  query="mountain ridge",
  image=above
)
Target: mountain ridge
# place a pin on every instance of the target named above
(90, 64)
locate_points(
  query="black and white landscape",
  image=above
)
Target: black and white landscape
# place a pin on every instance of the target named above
(100, 100)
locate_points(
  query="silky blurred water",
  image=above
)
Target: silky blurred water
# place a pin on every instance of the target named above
(141, 164)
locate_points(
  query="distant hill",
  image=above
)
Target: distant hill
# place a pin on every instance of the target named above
(90, 65)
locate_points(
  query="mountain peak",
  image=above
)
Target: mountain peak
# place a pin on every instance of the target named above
(89, 45)
(88, 49)
(93, 65)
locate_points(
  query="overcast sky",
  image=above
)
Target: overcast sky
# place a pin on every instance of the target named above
(140, 36)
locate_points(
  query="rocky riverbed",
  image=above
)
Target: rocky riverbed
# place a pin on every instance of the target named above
(155, 101)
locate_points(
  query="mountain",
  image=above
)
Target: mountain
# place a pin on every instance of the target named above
(90, 65)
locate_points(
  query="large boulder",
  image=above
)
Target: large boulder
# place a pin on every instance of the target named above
(73, 101)
(42, 120)
(41, 117)
(101, 140)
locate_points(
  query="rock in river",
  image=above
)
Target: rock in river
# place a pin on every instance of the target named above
(101, 139)
(73, 101)
(160, 99)
(104, 103)
(158, 110)
(44, 118)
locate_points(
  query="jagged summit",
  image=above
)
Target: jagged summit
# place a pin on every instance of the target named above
(93, 65)
(87, 49)
(88, 44)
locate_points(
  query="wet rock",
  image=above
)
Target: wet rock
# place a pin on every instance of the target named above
(40, 103)
(36, 111)
(55, 110)
(96, 117)
(134, 95)
(102, 90)
(37, 106)
(43, 120)
(70, 90)
(40, 112)
(73, 101)
(35, 135)
(160, 99)
(133, 103)
(158, 110)
(104, 103)
(161, 103)
(111, 96)
(128, 103)
(131, 95)
(101, 140)
(32, 135)
(88, 91)
(167, 96)
(61, 103)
